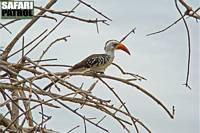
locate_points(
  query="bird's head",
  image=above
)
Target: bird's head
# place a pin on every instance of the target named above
(112, 45)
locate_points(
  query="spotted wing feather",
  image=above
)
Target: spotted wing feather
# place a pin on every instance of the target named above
(91, 61)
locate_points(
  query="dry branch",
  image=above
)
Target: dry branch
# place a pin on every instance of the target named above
(13, 42)
(188, 12)
(91, 7)
(5, 28)
(20, 79)
(188, 38)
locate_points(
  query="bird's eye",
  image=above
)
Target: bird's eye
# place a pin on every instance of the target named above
(115, 44)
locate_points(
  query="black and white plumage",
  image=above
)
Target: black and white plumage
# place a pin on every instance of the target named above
(99, 62)
(95, 62)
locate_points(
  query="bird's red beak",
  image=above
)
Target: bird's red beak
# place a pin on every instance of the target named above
(123, 47)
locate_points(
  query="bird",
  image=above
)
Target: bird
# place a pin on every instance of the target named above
(98, 63)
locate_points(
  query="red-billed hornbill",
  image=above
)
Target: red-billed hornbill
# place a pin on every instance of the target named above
(96, 63)
(99, 62)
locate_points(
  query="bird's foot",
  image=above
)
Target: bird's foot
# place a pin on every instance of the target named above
(96, 73)
(100, 72)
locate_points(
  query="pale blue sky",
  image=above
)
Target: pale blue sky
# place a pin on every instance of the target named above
(161, 58)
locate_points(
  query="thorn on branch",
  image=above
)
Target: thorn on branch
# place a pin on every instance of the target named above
(173, 110)
(97, 26)
(187, 86)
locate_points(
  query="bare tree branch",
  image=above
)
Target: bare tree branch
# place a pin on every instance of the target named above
(12, 43)
(188, 12)
(189, 45)
(28, 84)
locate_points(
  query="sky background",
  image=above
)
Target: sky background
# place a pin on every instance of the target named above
(161, 58)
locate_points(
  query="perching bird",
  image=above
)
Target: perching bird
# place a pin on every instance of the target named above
(96, 63)
(99, 62)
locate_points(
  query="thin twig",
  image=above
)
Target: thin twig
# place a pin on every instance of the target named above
(189, 45)
(10, 22)
(53, 11)
(46, 16)
(16, 38)
(88, 5)
(128, 73)
(58, 39)
(85, 127)
(97, 26)
(5, 28)
(101, 119)
(162, 30)
(28, 44)
(132, 31)
(73, 128)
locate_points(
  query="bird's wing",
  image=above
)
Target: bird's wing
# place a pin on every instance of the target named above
(91, 61)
